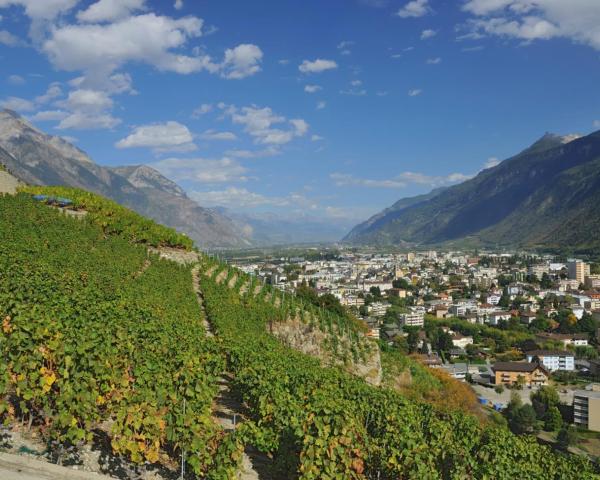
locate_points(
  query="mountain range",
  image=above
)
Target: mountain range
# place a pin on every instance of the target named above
(547, 195)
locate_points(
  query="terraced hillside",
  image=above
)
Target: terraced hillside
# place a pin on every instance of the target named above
(102, 339)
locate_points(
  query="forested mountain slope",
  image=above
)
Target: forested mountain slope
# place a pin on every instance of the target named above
(546, 195)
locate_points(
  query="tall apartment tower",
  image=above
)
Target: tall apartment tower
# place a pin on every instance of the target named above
(578, 270)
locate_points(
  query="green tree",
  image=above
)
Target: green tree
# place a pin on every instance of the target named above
(546, 281)
(524, 420)
(544, 399)
(567, 436)
(553, 420)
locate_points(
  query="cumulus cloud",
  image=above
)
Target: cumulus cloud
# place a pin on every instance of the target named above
(400, 181)
(234, 197)
(54, 91)
(596, 123)
(416, 8)
(8, 39)
(266, 126)
(109, 10)
(577, 20)
(215, 135)
(415, 92)
(41, 9)
(312, 88)
(321, 105)
(169, 136)
(202, 110)
(178, 5)
(434, 61)
(18, 104)
(425, 34)
(49, 115)
(202, 170)
(270, 151)
(317, 66)
(241, 62)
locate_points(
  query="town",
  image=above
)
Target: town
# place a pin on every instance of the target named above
(508, 324)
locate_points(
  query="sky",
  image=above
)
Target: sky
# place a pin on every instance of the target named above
(334, 109)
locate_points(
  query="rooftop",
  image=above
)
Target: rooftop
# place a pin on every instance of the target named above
(516, 367)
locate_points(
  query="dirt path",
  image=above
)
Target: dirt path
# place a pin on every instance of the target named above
(228, 409)
(17, 467)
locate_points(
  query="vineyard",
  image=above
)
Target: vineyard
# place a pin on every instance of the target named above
(115, 219)
(101, 338)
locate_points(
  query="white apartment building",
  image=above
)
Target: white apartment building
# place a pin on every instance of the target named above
(413, 319)
(553, 360)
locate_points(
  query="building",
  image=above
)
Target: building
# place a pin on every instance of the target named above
(414, 319)
(508, 373)
(592, 281)
(553, 360)
(461, 341)
(378, 309)
(578, 270)
(575, 339)
(586, 409)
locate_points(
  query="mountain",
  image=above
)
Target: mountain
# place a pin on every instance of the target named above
(40, 159)
(546, 195)
(267, 229)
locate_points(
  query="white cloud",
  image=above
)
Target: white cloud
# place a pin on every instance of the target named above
(178, 4)
(396, 55)
(241, 61)
(491, 162)
(357, 92)
(260, 123)
(316, 138)
(202, 110)
(400, 181)
(88, 121)
(87, 100)
(270, 151)
(356, 83)
(317, 66)
(416, 8)
(283, 61)
(109, 10)
(15, 80)
(49, 115)
(312, 88)
(382, 93)
(415, 92)
(344, 47)
(169, 136)
(434, 61)
(321, 105)
(577, 20)
(215, 135)
(596, 123)
(41, 9)
(53, 91)
(233, 197)
(425, 34)
(17, 104)
(202, 170)
(144, 38)
(8, 39)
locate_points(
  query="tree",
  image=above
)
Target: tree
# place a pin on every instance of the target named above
(567, 437)
(520, 383)
(546, 281)
(412, 340)
(544, 399)
(499, 389)
(444, 342)
(553, 420)
(524, 420)
(375, 291)
(401, 283)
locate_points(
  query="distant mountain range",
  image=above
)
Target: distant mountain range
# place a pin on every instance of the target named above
(548, 195)
(274, 229)
(39, 159)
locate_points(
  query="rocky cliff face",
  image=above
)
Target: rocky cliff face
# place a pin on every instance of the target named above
(39, 159)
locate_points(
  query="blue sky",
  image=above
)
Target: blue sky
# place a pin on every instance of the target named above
(300, 108)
